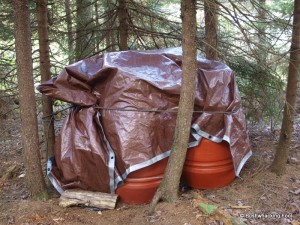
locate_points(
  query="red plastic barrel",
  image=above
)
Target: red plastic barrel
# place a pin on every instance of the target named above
(140, 186)
(209, 165)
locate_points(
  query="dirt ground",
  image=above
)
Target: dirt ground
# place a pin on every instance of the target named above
(257, 194)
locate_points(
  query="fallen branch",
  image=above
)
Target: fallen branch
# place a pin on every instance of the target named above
(240, 206)
(88, 198)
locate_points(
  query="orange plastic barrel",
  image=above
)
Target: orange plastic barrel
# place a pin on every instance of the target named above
(140, 186)
(209, 165)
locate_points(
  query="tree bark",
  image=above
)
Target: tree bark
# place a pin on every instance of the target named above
(211, 29)
(262, 53)
(34, 176)
(88, 198)
(45, 66)
(84, 30)
(69, 31)
(110, 33)
(282, 151)
(123, 25)
(168, 189)
(97, 23)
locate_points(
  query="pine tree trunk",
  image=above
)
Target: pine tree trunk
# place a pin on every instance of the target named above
(279, 164)
(69, 31)
(34, 176)
(123, 25)
(261, 51)
(211, 28)
(97, 23)
(45, 73)
(113, 39)
(168, 189)
(84, 30)
(110, 33)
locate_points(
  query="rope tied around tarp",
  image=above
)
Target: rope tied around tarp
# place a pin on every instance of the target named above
(52, 116)
(165, 110)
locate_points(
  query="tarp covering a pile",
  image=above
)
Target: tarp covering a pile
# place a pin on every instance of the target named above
(125, 113)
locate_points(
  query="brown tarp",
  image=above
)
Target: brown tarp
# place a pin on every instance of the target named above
(124, 115)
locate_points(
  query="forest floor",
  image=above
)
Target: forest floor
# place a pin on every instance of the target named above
(258, 193)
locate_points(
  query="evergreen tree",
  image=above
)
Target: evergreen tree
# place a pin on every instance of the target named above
(168, 189)
(282, 151)
(30, 141)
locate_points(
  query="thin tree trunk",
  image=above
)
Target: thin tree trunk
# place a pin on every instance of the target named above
(109, 38)
(45, 73)
(84, 30)
(69, 31)
(113, 35)
(123, 25)
(97, 23)
(262, 53)
(168, 189)
(34, 177)
(279, 164)
(211, 28)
